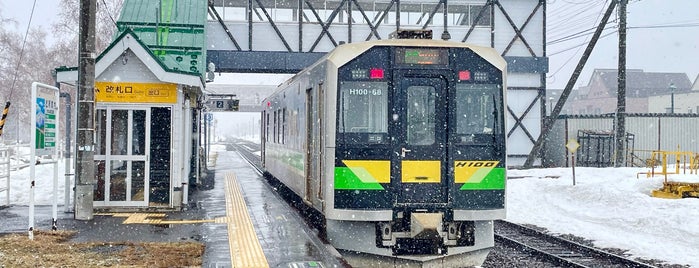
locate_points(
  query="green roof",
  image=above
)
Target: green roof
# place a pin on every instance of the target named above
(173, 30)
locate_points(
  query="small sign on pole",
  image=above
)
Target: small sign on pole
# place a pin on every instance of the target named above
(572, 146)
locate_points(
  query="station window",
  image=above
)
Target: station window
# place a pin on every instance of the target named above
(374, 12)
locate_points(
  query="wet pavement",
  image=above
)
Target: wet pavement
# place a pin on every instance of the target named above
(284, 237)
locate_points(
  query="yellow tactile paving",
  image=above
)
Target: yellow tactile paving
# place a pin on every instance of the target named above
(245, 248)
(157, 218)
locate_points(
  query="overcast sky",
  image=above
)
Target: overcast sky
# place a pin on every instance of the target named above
(663, 35)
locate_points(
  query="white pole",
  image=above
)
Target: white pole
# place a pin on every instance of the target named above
(57, 113)
(9, 167)
(55, 196)
(66, 201)
(32, 161)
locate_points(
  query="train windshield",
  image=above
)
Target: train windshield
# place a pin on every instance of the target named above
(476, 106)
(363, 107)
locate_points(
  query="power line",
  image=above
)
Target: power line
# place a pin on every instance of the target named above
(581, 44)
(21, 52)
(577, 35)
(109, 13)
(578, 46)
(686, 25)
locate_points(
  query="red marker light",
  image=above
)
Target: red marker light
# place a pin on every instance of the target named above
(376, 73)
(269, 104)
(464, 75)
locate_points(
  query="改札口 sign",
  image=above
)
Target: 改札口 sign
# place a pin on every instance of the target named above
(133, 92)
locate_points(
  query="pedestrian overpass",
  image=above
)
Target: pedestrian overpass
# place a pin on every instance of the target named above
(281, 36)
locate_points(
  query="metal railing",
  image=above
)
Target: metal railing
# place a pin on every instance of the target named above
(5, 154)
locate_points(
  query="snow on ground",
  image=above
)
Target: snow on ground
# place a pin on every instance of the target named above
(607, 205)
(610, 206)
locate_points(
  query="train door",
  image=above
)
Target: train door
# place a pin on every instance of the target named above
(314, 145)
(310, 146)
(419, 160)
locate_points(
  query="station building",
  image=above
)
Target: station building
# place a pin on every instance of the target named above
(148, 103)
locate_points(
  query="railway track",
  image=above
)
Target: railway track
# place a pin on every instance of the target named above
(246, 151)
(526, 245)
(555, 250)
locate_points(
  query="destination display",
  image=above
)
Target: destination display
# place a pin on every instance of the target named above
(427, 56)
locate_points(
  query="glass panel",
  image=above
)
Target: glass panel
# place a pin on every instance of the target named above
(138, 146)
(120, 128)
(363, 107)
(475, 109)
(138, 178)
(117, 180)
(485, 18)
(421, 114)
(99, 175)
(101, 132)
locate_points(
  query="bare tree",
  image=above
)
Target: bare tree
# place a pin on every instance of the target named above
(66, 29)
(37, 61)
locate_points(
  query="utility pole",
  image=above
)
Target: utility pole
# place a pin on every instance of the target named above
(621, 89)
(548, 123)
(85, 149)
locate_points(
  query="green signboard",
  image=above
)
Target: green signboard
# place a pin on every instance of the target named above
(46, 113)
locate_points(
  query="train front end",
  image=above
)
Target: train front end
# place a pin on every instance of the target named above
(419, 156)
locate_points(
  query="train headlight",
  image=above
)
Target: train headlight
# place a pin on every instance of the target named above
(359, 73)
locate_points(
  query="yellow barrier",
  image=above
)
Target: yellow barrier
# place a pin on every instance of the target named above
(686, 160)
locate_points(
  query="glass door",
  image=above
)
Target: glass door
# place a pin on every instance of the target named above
(121, 156)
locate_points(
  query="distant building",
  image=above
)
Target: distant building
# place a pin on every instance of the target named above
(646, 92)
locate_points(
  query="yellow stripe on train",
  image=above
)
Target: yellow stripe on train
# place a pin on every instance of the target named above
(369, 171)
(472, 171)
(421, 171)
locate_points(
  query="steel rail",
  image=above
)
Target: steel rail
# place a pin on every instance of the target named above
(558, 250)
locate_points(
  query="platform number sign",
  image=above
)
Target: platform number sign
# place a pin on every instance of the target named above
(224, 105)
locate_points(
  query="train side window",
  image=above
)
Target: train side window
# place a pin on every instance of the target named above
(274, 128)
(267, 128)
(279, 126)
(284, 126)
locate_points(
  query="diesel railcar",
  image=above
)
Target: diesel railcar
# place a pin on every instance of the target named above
(399, 144)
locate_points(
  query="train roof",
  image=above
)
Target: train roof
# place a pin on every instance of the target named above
(342, 54)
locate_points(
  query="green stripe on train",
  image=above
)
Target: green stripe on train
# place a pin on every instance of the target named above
(347, 179)
(494, 180)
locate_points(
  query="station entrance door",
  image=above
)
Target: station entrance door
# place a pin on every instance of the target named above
(121, 156)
